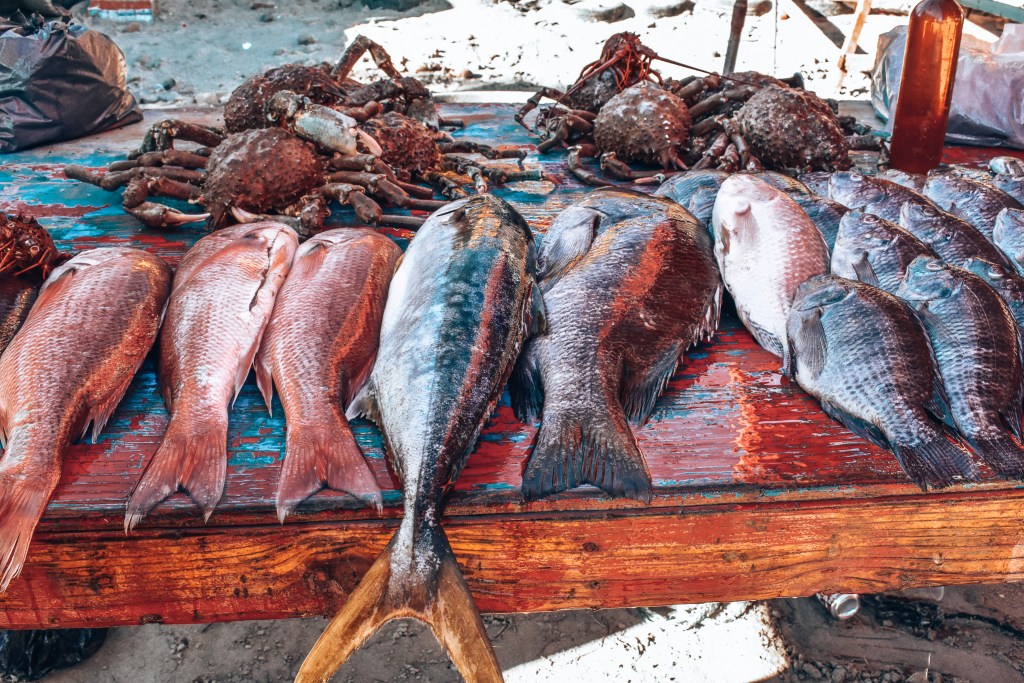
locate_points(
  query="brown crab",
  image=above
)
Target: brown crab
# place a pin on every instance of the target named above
(746, 120)
(26, 249)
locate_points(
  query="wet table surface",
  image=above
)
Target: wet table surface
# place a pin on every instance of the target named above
(756, 492)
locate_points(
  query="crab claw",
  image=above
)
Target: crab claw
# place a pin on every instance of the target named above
(243, 216)
(368, 140)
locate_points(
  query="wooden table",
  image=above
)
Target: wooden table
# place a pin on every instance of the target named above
(757, 493)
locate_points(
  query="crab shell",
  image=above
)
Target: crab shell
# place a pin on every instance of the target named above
(409, 147)
(260, 170)
(245, 106)
(789, 128)
(26, 248)
(644, 123)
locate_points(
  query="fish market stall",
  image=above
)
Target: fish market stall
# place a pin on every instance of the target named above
(757, 493)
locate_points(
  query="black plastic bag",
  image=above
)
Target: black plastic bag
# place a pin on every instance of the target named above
(30, 655)
(60, 81)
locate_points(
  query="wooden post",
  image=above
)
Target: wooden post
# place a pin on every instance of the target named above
(739, 17)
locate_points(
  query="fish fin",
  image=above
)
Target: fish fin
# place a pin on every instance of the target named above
(934, 324)
(593, 448)
(538, 313)
(244, 365)
(364, 404)
(23, 499)
(765, 338)
(860, 427)
(813, 345)
(191, 458)
(567, 241)
(430, 589)
(100, 413)
(865, 271)
(1002, 453)
(639, 392)
(265, 378)
(1011, 417)
(323, 455)
(525, 386)
(935, 463)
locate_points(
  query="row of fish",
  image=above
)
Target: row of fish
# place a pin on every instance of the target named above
(901, 312)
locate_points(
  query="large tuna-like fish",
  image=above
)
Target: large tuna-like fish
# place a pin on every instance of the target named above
(460, 305)
(979, 355)
(91, 327)
(223, 293)
(978, 202)
(765, 246)
(861, 352)
(619, 319)
(874, 251)
(318, 350)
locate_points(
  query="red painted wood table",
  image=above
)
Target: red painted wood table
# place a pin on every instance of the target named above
(758, 494)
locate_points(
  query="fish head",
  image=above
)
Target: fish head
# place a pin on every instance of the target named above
(822, 291)
(927, 222)
(1009, 228)
(993, 273)
(865, 230)
(928, 279)
(278, 240)
(732, 216)
(854, 190)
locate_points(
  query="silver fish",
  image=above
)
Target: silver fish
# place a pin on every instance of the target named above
(913, 181)
(825, 213)
(765, 246)
(883, 198)
(1012, 185)
(1008, 235)
(953, 239)
(459, 308)
(979, 355)
(619, 320)
(975, 201)
(1007, 282)
(816, 182)
(695, 191)
(874, 251)
(1005, 165)
(862, 353)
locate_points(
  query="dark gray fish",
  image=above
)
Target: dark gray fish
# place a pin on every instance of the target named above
(977, 202)
(16, 299)
(816, 182)
(1008, 235)
(619, 320)
(913, 181)
(978, 351)
(1011, 185)
(459, 307)
(874, 251)
(862, 353)
(1007, 283)
(781, 181)
(873, 195)
(961, 171)
(953, 239)
(695, 191)
(825, 213)
(1009, 166)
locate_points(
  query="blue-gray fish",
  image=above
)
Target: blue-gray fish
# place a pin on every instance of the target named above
(460, 305)
(1008, 235)
(978, 351)
(874, 251)
(953, 239)
(861, 352)
(975, 201)
(913, 181)
(1006, 165)
(695, 191)
(883, 198)
(1007, 282)
(619, 319)
(816, 182)
(1012, 185)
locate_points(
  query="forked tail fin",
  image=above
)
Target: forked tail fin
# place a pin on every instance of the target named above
(431, 589)
(23, 499)
(192, 458)
(322, 455)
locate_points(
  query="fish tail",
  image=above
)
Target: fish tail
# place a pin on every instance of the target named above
(426, 585)
(23, 499)
(192, 458)
(317, 456)
(1002, 453)
(936, 463)
(594, 448)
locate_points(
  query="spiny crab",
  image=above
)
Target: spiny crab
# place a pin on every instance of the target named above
(299, 154)
(26, 248)
(621, 111)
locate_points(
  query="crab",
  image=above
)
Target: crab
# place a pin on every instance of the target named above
(26, 249)
(746, 120)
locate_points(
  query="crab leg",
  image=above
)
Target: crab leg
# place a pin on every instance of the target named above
(446, 183)
(534, 102)
(116, 179)
(573, 121)
(713, 152)
(155, 215)
(354, 52)
(576, 167)
(162, 135)
(708, 105)
(469, 147)
(167, 157)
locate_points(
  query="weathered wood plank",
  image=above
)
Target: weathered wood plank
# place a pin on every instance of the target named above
(529, 562)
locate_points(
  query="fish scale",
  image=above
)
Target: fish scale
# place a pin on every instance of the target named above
(878, 196)
(861, 352)
(977, 202)
(104, 307)
(979, 355)
(1008, 235)
(874, 251)
(953, 239)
